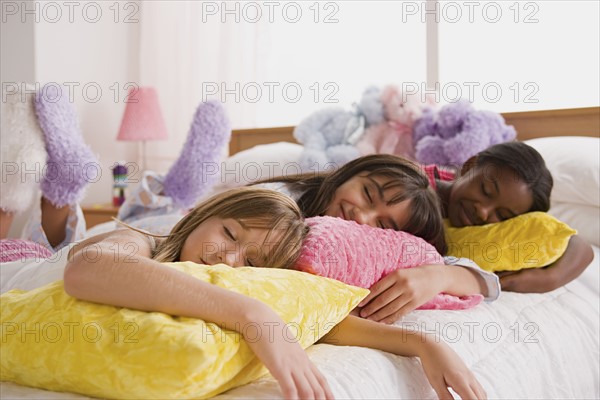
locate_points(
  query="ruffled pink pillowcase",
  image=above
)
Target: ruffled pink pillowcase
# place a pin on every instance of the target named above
(20, 249)
(361, 255)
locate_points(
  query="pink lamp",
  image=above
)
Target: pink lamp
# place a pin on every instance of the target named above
(142, 119)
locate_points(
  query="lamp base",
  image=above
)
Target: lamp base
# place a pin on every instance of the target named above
(142, 155)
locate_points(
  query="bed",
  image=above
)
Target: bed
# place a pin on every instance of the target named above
(520, 346)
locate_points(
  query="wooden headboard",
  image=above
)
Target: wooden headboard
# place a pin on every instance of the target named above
(529, 125)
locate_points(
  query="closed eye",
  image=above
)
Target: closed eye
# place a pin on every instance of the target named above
(485, 193)
(366, 190)
(228, 233)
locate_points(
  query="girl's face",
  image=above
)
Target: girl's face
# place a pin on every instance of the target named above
(488, 194)
(363, 200)
(226, 241)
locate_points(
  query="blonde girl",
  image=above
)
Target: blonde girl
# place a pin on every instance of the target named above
(243, 226)
(223, 229)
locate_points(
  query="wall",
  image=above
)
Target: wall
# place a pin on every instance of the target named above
(17, 55)
(100, 58)
(89, 51)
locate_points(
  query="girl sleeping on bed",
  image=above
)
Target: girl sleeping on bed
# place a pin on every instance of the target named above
(499, 183)
(244, 226)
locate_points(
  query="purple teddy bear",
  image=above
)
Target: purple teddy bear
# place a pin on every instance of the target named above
(457, 132)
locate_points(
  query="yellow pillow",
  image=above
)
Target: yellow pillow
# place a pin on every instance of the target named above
(53, 341)
(530, 240)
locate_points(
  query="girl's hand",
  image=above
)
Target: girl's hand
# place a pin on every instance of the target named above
(570, 265)
(444, 369)
(400, 292)
(288, 363)
(530, 280)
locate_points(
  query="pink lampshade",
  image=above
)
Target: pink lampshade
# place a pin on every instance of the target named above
(142, 119)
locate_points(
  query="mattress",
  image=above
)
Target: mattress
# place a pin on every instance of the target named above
(520, 346)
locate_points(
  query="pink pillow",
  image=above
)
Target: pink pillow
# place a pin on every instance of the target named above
(361, 255)
(20, 249)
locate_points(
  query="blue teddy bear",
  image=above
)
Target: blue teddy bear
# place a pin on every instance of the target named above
(329, 135)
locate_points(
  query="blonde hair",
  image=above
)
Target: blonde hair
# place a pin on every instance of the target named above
(253, 208)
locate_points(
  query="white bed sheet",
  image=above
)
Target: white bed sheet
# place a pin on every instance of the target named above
(525, 346)
(521, 346)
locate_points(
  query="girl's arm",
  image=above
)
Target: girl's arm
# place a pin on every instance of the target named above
(443, 367)
(570, 265)
(115, 269)
(403, 290)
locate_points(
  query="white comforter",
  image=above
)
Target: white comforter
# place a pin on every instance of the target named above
(520, 346)
(526, 346)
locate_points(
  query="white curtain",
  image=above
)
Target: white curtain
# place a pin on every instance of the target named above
(185, 58)
(334, 50)
(296, 58)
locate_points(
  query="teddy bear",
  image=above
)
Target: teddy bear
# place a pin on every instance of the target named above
(329, 135)
(393, 135)
(456, 132)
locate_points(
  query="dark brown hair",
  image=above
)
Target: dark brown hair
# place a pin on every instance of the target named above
(528, 165)
(425, 220)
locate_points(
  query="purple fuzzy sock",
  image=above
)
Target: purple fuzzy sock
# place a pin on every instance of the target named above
(196, 169)
(70, 160)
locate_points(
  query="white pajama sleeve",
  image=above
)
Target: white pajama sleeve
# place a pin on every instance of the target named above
(491, 280)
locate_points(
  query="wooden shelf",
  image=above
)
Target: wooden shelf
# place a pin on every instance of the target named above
(98, 213)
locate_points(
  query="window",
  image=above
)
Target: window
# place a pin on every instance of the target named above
(520, 56)
(333, 53)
